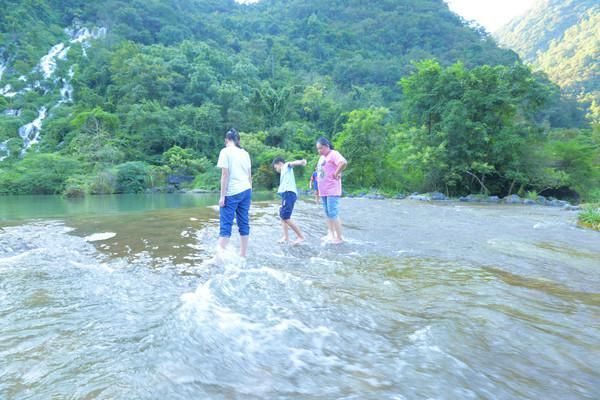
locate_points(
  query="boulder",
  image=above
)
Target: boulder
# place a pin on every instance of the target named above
(512, 199)
(541, 200)
(437, 196)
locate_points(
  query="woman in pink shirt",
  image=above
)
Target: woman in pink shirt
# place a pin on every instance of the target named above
(330, 167)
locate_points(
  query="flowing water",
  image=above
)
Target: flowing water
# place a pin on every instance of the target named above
(117, 298)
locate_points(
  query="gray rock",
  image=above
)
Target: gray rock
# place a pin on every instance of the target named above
(420, 197)
(529, 202)
(557, 203)
(512, 199)
(541, 200)
(493, 199)
(570, 207)
(437, 196)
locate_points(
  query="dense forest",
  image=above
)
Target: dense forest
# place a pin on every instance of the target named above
(114, 96)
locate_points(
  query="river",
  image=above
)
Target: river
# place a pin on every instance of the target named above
(424, 301)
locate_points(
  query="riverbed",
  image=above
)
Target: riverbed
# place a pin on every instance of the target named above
(424, 301)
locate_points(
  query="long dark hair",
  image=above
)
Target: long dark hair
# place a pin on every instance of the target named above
(325, 142)
(234, 136)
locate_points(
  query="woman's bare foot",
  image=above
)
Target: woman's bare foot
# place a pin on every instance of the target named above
(282, 240)
(298, 241)
(337, 241)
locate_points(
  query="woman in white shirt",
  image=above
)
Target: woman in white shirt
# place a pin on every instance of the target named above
(236, 191)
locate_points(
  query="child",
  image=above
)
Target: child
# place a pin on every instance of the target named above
(314, 185)
(289, 193)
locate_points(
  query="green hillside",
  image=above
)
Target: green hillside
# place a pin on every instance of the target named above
(561, 38)
(113, 96)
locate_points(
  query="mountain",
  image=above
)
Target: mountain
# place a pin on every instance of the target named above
(562, 38)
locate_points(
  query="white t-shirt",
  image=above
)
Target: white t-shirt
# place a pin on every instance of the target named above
(287, 181)
(237, 161)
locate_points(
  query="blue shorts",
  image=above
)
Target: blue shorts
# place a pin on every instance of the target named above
(331, 205)
(236, 206)
(288, 199)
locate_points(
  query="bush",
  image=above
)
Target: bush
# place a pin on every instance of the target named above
(133, 177)
(39, 174)
(590, 216)
(104, 182)
(75, 186)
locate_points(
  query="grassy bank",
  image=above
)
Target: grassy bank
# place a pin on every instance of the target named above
(589, 217)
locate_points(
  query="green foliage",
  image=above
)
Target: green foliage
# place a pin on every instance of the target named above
(156, 96)
(364, 140)
(472, 125)
(560, 37)
(103, 182)
(75, 186)
(590, 216)
(544, 23)
(183, 161)
(132, 177)
(38, 174)
(576, 154)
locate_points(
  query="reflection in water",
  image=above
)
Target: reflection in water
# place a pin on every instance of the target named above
(424, 301)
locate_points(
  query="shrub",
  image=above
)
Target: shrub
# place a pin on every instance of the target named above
(133, 177)
(590, 216)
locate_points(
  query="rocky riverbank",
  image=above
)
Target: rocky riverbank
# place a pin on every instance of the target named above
(473, 198)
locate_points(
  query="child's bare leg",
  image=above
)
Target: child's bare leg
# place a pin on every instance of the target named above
(285, 236)
(296, 230)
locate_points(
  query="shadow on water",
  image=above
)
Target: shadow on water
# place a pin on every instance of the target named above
(422, 301)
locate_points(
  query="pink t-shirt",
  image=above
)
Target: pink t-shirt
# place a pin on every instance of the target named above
(326, 167)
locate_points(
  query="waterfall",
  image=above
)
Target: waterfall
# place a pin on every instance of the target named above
(11, 112)
(6, 91)
(4, 150)
(48, 62)
(2, 67)
(30, 132)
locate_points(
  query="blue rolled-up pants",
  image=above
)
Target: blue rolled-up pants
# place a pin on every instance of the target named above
(237, 207)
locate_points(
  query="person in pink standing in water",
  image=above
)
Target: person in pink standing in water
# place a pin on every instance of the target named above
(330, 167)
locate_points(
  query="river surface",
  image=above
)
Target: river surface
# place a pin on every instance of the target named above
(118, 298)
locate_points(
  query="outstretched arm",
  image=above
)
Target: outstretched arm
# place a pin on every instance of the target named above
(298, 163)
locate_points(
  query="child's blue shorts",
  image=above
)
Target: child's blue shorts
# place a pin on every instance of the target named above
(288, 199)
